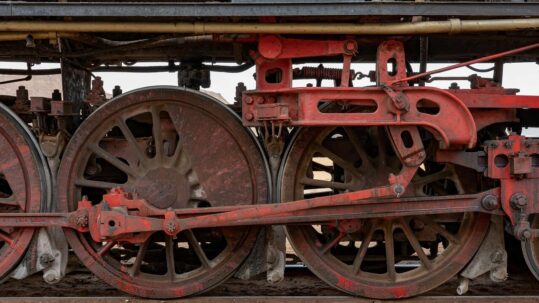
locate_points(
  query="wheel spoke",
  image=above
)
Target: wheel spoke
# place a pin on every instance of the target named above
(321, 167)
(112, 160)
(439, 229)
(10, 201)
(329, 245)
(156, 131)
(132, 141)
(443, 174)
(169, 251)
(195, 245)
(390, 251)
(382, 146)
(6, 238)
(365, 159)
(415, 244)
(324, 184)
(135, 269)
(175, 159)
(362, 251)
(106, 248)
(336, 159)
(95, 184)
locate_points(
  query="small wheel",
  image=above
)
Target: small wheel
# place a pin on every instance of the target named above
(175, 148)
(24, 185)
(381, 258)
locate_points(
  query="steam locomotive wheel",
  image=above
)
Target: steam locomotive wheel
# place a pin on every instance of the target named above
(24, 185)
(175, 148)
(381, 258)
(530, 250)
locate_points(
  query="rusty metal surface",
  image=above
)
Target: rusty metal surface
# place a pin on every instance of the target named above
(184, 151)
(25, 185)
(266, 8)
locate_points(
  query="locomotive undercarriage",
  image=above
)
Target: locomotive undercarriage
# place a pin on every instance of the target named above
(384, 191)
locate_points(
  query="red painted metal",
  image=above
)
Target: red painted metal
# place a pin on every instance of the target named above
(466, 63)
(303, 109)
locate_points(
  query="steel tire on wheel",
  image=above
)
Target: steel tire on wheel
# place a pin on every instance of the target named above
(349, 149)
(209, 160)
(25, 184)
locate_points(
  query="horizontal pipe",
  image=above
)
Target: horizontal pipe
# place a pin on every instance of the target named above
(451, 26)
(37, 35)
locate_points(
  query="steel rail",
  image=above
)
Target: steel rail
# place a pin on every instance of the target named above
(451, 26)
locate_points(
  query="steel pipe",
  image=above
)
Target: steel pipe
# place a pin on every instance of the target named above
(451, 26)
(37, 35)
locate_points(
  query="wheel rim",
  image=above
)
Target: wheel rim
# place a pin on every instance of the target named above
(530, 250)
(380, 258)
(204, 155)
(24, 185)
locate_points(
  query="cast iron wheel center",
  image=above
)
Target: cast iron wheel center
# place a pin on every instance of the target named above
(173, 148)
(388, 257)
(163, 188)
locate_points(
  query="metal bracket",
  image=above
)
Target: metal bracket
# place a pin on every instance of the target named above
(491, 257)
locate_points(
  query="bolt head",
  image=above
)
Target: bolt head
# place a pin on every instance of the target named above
(171, 227)
(519, 201)
(50, 278)
(490, 202)
(249, 116)
(249, 100)
(525, 235)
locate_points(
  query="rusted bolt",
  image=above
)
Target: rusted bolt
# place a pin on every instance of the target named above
(171, 227)
(508, 144)
(518, 201)
(50, 277)
(249, 116)
(350, 46)
(398, 189)
(497, 256)
(259, 100)
(526, 234)
(82, 221)
(249, 100)
(46, 259)
(490, 202)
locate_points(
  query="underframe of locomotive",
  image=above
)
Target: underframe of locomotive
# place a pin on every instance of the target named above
(384, 191)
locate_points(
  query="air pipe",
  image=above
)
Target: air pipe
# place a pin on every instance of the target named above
(451, 26)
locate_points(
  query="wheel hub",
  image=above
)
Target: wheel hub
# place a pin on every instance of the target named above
(163, 188)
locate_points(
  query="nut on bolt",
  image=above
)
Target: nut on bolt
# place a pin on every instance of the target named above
(518, 201)
(490, 202)
(171, 227)
(82, 221)
(249, 116)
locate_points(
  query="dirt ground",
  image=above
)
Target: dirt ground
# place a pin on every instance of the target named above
(298, 282)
